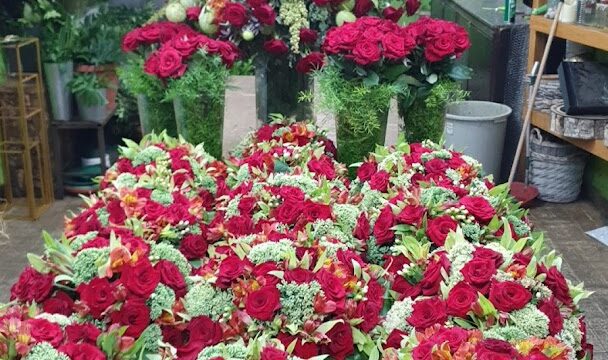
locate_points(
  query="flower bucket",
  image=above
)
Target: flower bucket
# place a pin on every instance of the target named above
(239, 110)
(57, 76)
(422, 123)
(353, 147)
(155, 115)
(201, 122)
(96, 113)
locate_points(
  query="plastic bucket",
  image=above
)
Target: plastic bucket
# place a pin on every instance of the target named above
(478, 129)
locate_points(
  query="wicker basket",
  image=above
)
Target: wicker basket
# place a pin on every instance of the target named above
(556, 168)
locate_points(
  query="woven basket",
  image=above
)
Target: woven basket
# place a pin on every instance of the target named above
(556, 168)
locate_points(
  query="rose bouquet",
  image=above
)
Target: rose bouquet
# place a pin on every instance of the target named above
(497, 301)
(192, 68)
(432, 75)
(364, 71)
(284, 146)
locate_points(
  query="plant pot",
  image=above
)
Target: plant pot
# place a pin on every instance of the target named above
(353, 146)
(96, 113)
(107, 75)
(201, 122)
(239, 110)
(155, 115)
(422, 123)
(57, 76)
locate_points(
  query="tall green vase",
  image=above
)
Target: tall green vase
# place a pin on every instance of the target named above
(422, 122)
(201, 121)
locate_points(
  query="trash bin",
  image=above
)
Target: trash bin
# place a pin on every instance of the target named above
(477, 128)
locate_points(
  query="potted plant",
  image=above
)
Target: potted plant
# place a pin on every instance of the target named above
(194, 69)
(99, 52)
(432, 76)
(90, 92)
(58, 37)
(362, 75)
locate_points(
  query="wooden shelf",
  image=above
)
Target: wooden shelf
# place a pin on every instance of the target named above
(586, 35)
(596, 147)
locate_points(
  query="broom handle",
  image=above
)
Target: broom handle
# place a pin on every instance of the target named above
(541, 70)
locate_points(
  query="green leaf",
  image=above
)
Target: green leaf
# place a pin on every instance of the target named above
(463, 323)
(486, 305)
(371, 80)
(37, 263)
(326, 326)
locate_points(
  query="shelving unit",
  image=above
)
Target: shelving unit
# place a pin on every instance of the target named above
(585, 35)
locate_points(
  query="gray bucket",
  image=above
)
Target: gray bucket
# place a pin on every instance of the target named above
(57, 76)
(478, 129)
(95, 113)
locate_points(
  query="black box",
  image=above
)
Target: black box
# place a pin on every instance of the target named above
(584, 87)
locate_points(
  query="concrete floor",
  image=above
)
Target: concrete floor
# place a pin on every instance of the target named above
(565, 225)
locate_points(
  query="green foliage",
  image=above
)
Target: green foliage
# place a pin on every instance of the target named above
(200, 107)
(86, 87)
(242, 67)
(424, 118)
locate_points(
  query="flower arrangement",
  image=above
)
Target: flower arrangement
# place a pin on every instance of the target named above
(178, 259)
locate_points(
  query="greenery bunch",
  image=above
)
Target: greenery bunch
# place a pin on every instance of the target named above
(86, 87)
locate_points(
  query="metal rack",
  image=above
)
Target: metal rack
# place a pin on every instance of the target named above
(24, 134)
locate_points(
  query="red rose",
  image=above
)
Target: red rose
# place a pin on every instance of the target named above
(366, 52)
(508, 296)
(235, 14)
(332, 285)
(538, 355)
(193, 13)
(370, 313)
(461, 40)
(46, 331)
(60, 303)
(392, 263)
(304, 350)
(87, 333)
(200, 333)
(82, 351)
(479, 207)
(362, 7)
(491, 349)
(186, 45)
(406, 289)
(261, 273)
(97, 295)
(135, 315)
(431, 279)
(276, 47)
(460, 299)
(291, 193)
(311, 62)
(394, 46)
(394, 339)
(263, 303)
(556, 321)
(193, 246)
(240, 225)
(453, 336)
(478, 272)
(380, 181)
(247, 204)
(170, 63)
(172, 277)
(412, 6)
(32, 286)
(288, 212)
(435, 166)
(427, 312)
(558, 285)
(341, 342)
(424, 350)
(362, 228)
(231, 268)
(411, 215)
(392, 14)
(324, 165)
(314, 211)
(308, 36)
(439, 48)
(299, 276)
(151, 64)
(153, 210)
(321, 3)
(485, 253)
(366, 171)
(341, 38)
(140, 279)
(272, 353)
(265, 14)
(131, 40)
(382, 228)
(438, 229)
